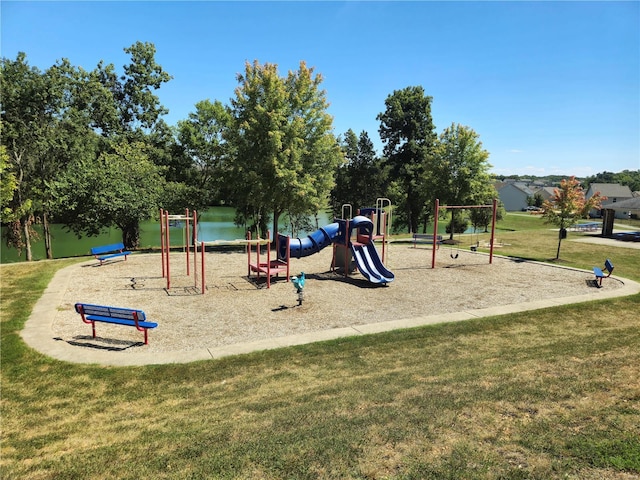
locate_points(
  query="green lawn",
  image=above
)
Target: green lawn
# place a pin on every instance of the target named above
(548, 394)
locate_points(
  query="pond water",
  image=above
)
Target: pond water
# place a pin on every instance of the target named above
(215, 223)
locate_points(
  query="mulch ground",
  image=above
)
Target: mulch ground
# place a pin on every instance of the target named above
(237, 308)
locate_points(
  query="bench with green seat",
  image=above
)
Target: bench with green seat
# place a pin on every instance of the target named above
(119, 316)
(109, 251)
(608, 266)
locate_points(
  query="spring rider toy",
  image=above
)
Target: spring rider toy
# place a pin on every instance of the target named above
(298, 283)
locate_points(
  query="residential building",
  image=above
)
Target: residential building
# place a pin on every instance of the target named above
(615, 193)
(514, 195)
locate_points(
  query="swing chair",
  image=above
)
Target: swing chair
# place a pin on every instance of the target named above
(454, 244)
(474, 245)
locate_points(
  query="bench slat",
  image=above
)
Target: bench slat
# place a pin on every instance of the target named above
(426, 238)
(106, 252)
(120, 321)
(112, 312)
(114, 247)
(597, 271)
(116, 315)
(112, 255)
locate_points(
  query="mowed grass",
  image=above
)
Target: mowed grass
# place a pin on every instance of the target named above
(553, 393)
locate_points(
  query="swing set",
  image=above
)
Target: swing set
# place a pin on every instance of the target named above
(438, 207)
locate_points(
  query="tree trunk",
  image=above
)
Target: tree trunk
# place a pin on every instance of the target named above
(131, 235)
(453, 225)
(561, 235)
(27, 240)
(46, 230)
(276, 214)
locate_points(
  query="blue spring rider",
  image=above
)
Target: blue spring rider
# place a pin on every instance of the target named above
(298, 283)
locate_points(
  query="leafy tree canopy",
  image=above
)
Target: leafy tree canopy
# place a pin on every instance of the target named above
(568, 204)
(285, 153)
(120, 189)
(408, 134)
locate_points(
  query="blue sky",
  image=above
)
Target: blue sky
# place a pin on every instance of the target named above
(550, 87)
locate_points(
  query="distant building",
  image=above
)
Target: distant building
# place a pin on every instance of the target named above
(629, 208)
(615, 193)
(514, 195)
(547, 192)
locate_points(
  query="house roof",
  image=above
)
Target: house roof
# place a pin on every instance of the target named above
(550, 191)
(520, 186)
(610, 190)
(629, 204)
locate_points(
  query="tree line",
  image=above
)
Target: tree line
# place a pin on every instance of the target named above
(91, 150)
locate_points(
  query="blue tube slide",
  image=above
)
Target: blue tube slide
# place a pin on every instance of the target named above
(303, 247)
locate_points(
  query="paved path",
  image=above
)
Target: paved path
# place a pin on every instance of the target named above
(38, 331)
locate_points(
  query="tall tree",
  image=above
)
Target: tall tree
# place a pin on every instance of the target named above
(135, 109)
(201, 137)
(121, 189)
(461, 168)
(125, 113)
(362, 179)
(285, 153)
(27, 118)
(407, 131)
(568, 204)
(52, 118)
(340, 194)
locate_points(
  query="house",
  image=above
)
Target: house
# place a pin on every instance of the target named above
(547, 192)
(629, 208)
(514, 196)
(614, 192)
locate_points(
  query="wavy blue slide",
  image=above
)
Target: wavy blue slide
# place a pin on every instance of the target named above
(370, 265)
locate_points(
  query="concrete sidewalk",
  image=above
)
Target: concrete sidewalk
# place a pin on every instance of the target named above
(38, 332)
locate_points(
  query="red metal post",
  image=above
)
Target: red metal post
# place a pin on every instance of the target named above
(167, 243)
(195, 247)
(248, 237)
(493, 228)
(203, 268)
(162, 240)
(186, 237)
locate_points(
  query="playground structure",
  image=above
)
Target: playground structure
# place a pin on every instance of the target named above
(271, 267)
(165, 239)
(438, 207)
(369, 224)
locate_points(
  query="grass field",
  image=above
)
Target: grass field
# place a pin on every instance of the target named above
(548, 394)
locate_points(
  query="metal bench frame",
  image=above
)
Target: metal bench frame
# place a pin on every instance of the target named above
(608, 266)
(116, 315)
(106, 252)
(426, 238)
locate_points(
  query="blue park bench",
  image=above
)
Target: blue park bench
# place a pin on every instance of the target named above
(608, 266)
(426, 238)
(116, 315)
(109, 251)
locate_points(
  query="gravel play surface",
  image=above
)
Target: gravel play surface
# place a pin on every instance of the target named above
(237, 309)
